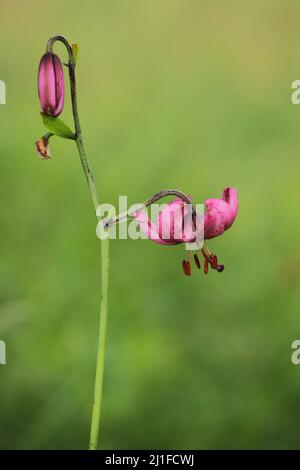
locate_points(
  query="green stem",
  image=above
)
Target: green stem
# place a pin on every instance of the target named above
(98, 390)
(96, 411)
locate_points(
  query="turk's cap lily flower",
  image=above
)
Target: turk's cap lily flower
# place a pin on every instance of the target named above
(174, 227)
(51, 85)
(42, 146)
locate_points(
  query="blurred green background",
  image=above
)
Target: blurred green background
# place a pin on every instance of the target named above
(188, 94)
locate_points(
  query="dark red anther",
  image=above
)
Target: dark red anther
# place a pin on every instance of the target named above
(214, 261)
(184, 267)
(206, 266)
(209, 257)
(197, 262)
(188, 268)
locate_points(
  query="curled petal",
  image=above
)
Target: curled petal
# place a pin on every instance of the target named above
(230, 195)
(175, 222)
(150, 229)
(170, 221)
(220, 213)
(214, 224)
(192, 226)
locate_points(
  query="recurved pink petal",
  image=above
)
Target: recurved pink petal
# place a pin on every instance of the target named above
(193, 228)
(150, 229)
(230, 195)
(170, 221)
(217, 212)
(175, 222)
(220, 213)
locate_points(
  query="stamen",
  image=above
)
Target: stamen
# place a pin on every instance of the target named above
(184, 267)
(206, 266)
(188, 268)
(211, 259)
(197, 262)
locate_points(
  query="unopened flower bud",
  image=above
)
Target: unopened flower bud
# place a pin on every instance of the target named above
(51, 85)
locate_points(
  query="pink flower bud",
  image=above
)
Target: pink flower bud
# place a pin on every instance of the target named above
(51, 84)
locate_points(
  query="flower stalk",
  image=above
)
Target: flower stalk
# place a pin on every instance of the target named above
(109, 222)
(96, 410)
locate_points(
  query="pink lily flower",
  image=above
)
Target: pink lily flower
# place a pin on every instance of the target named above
(174, 227)
(51, 85)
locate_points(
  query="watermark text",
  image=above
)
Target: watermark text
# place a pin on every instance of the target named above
(2, 352)
(2, 92)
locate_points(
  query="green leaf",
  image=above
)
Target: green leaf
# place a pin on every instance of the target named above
(57, 127)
